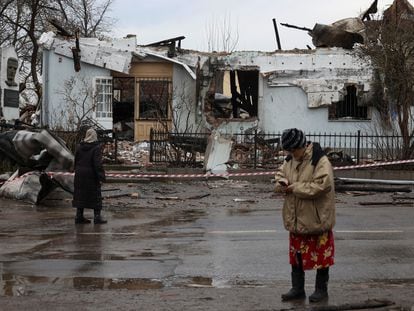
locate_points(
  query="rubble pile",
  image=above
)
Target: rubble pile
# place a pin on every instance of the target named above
(128, 152)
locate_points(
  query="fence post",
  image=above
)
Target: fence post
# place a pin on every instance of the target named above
(358, 145)
(255, 149)
(151, 155)
(116, 146)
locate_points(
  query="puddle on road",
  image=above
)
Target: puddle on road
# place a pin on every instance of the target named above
(102, 283)
(83, 256)
(14, 285)
(185, 216)
(199, 281)
(239, 211)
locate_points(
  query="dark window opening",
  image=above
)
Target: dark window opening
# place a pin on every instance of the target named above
(348, 108)
(236, 94)
(123, 106)
(123, 99)
(154, 98)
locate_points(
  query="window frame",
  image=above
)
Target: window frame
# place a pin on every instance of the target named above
(169, 81)
(107, 98)
(348, 108)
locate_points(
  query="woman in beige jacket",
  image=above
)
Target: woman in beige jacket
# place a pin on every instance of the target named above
(306, 178)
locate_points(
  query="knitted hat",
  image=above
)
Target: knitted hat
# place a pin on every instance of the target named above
(90, 136)
(293, 139)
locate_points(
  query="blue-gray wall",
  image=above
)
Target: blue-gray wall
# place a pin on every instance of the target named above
(57, 69)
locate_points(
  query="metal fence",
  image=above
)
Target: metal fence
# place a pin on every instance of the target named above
(255, 149)
(264, 150)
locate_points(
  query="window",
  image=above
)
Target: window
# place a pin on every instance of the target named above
(154, 98)
(348, 108)
(236, 94)
(103, 97)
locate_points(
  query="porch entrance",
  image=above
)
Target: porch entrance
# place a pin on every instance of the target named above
(153, 98)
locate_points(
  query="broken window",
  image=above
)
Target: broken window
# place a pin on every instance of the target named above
(236, 94)
(103, 97)
(348, 108)
(154, 98)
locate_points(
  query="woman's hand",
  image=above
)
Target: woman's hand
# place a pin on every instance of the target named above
(284, 186)
(289, 189)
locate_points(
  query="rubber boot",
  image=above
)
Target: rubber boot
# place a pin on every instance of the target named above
(321, 286)
(298, 285)
(79, 219)
(97, 219)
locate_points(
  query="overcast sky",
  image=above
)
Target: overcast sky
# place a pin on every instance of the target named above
(156, 20)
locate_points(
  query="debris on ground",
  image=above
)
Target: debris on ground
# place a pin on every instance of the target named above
(244, 200)
(35, 152)
(368, 304)
(387, 203)
(373, 188)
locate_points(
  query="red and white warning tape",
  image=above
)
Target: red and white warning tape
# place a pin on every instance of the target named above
(373, 164)
(206, 175)
(226, 175)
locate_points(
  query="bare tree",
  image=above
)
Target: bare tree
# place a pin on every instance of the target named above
(87, 16)
(78, 95)
(23, 21)
(391, 52)
(221, 35)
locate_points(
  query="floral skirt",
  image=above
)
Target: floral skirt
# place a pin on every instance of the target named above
(316, 250)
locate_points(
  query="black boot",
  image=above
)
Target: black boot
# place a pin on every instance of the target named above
(298, 285)
(321, 285)
(97, 219)
(79, 219)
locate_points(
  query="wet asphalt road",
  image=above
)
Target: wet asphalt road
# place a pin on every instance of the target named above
(194, 237)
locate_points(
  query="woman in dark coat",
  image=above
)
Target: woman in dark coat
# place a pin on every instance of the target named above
(89, 174)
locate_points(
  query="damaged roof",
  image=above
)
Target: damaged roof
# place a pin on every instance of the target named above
(116, 54)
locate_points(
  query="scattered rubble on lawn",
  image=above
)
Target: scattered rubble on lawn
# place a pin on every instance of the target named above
(128, 152)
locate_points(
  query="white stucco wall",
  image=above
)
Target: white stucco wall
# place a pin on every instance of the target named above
(286, 107)
(56, 70)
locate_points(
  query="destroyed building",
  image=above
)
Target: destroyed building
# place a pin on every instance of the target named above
(133, 88)
(125, 86)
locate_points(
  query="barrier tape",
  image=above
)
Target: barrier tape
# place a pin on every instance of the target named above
(347, 167)
(225, 175)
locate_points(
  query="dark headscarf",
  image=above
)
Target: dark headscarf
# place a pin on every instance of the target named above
(293, 139)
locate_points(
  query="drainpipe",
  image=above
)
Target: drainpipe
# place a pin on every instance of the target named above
(44, 116)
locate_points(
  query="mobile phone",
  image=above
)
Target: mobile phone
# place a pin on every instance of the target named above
(283, 183)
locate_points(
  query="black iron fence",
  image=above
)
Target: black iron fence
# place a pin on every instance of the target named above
(255, 149)
(264, 150)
